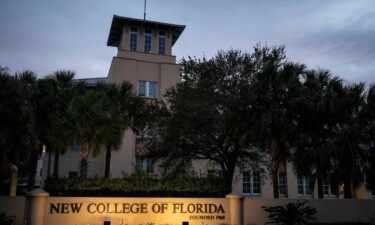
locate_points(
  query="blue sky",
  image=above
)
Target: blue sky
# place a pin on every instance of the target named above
(48, 35)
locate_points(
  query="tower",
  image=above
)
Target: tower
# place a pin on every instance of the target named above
(144, 58)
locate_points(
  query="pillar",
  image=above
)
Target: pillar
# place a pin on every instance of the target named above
(36, 203)
(235, 209)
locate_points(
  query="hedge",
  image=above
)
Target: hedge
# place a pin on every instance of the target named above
(137, 185)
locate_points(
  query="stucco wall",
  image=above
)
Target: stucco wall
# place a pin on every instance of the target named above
(13, 206)
(59, 211)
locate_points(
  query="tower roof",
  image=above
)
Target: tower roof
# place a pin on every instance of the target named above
(118, 23)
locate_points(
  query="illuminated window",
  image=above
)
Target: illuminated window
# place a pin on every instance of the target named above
(251, 182)
(282, 184)
(147, 89)
(162, 41)
(133, 39)
(147, 41)
(144, 165)
(304, 185)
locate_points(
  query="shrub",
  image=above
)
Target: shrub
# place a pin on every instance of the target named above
(138, 184)
(6, 220)
(297, 213)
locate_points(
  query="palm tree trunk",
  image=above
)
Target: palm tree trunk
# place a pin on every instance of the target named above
(275, 166)
(56, 165)
(107, 161)
(49, 164)
(13, 180)
(312, 180)
(320, 187)
(33, 164)
(83, 164)
(348, 187)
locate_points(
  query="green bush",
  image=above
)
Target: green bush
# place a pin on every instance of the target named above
(137, 184)
(297, 213)
(343, 223)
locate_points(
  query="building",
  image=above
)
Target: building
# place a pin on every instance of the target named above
(144, 58)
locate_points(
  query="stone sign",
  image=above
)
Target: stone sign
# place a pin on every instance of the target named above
(136, 211)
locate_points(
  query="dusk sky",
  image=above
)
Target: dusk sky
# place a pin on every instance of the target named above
(48, 35)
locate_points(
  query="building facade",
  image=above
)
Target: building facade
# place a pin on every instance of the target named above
(144, 58)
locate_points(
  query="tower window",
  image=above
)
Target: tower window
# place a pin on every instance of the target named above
(133, 39)
(147, 89)
(147, 41)
(162, 40)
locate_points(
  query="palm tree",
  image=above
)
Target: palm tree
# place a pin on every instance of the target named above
(55, 93)
(18, 139)
(369, 114)
(350, 139)
(318, 116)
(277, 86)
(82, 121)
(121, 109)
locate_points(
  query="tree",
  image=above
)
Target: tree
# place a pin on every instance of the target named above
(121, 110)
(317, 117)
(351, 137)
(18, 139)
(207, 115)
(82, 121)
(61, 88)
(277, 88)
(369, 114)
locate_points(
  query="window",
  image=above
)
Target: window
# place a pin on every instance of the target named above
(251, 183)
(142, 132)
(213, 169)
(282, 184)
(328, 188)
(75, 146)
(147, 89)
(73, 174)
(133, 39)
(147, 41)
(371, 188)
(144, 165)
(162, 42)
(304, 185)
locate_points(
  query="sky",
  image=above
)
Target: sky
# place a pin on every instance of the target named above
(49, 35)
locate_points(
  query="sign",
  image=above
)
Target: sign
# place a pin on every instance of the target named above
(126, 208)
(137, 211)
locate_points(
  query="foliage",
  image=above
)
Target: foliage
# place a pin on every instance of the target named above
(121, 109)
(296, 213)
(6, 220)
(138, 184)
(207, 115)
(343, 223)
(18, 139)
(55, 92)
(276, 87)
